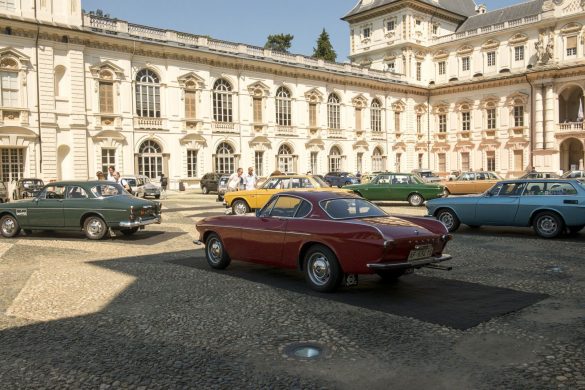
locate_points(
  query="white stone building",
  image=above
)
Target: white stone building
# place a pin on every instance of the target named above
(443, 85)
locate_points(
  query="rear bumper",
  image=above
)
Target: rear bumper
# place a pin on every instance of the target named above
(408, 264)
(139, 222)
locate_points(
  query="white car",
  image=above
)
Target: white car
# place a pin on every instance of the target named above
(149, 188)
(136, 184)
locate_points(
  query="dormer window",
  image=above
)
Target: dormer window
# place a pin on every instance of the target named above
(367, 33)
(390, 25)
(417, 22)
(435, 29)
(391, 67)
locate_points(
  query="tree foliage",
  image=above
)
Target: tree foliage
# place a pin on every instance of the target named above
(279, 42)
(324, 49)
(100, 13)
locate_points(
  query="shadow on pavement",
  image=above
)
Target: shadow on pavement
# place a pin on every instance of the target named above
(141, 237)
(451, 303)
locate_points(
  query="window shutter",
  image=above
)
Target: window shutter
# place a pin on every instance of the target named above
(571, 42)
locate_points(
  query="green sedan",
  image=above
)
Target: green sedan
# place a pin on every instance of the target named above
(94, 207)
(398, 186)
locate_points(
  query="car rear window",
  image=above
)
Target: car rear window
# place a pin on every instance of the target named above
(351, 208)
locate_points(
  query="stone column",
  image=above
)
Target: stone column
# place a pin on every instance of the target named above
(549, 115)
(538, 118)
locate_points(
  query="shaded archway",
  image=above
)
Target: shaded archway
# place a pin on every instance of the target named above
(570, 101)
(572, 154)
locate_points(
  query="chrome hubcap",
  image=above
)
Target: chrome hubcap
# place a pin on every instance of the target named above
(319, 269)
(9, 227)
(547, 225)
(215, 250)
(94, 227)
(447, 219)
(240, 208)
(416, 199)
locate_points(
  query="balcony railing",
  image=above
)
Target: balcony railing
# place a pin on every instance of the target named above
(148, 123)
(285, 130)
(571, 126)
(224, 127)
(335, 133)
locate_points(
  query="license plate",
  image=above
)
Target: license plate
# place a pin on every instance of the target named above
(420, 252)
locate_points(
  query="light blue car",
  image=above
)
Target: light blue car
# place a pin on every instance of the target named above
(551, 206)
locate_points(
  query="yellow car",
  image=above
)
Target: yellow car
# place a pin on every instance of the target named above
(471, 183)
(242, 202)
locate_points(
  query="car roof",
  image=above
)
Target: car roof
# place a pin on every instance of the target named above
(317, 196)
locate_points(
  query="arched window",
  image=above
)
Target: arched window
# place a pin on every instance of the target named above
(147, 94)
(283, 107)
(225, 159)
(377, 161)
(60, 81)
(376, 115)
(9, 83)
(222, 101)
(150, 159)
(285, 159)
(334, 159)
(333, 112)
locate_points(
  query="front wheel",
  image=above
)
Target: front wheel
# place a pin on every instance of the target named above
(215, 252)
(548, 225)
(415, 200)
(240, 207)
(322, 270)
(95, 228)
(9, 226)
(449, 219)
(129, 232)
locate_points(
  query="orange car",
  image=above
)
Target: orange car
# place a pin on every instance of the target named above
(242, 202)
(471, 183)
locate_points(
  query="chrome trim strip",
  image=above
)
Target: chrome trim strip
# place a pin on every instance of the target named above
(128, 224)
(410, 264)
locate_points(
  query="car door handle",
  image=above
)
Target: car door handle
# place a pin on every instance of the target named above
(570, 201)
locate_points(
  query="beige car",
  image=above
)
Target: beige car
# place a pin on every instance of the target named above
(471, 183)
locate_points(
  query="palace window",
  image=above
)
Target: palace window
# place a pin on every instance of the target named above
(359, 162)
(490, 157)
(397, 121)
(192, 163)
(442, 123)
(465, 64)
(358, 118)
(259, 163)
(442, 68)
(377, 161)
(420, 160)
(314, 161)
(283, 107)
(285, 159)
(376, 116)
(518, 160)
(225, 160)
(222, 101)
(12, 164)
(491, 58)
(418, 71)
(147, 94)
(466, 121)
(391, 66)
(519, 53)
(465, 161)
(333, 112)
(398, 162)
(419, 123)
(571, 46)
(334, 159)
(150, 159)
(257, 109)
(491, 117)
(367, 32)
(518, 116)
(190, 103)
(9, 87)
(442, 162)
(106, 90)
(108, 158)
(390, 25)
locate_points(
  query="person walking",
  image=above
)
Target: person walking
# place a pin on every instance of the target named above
(123, 182)
(250, 180)
(164, 182)
(111, 172)
(236, 180)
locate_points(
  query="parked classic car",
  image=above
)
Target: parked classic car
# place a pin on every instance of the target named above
(27, 188)
(222, 187)
(3, 193)
(540, 175)
(471, 183)
(427, 175)
(242, 202)
(573, 174)
(340, 179)
(209, 182)
(398, 186)
(548, 205)
(150, 189)
(330, 236)
(95, 207)
(136, 184)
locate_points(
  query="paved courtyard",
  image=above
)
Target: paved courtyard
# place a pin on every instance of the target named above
(147, 312)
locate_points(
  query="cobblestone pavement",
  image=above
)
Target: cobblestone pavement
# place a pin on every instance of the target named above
(146, 312)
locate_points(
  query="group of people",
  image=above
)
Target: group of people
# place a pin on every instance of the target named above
(114, 176)
(239, 181)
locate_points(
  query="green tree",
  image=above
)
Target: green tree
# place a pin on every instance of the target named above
(324, 49)
(279, 42)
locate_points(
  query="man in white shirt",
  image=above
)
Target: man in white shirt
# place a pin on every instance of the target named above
(236, 180)
(250, 180)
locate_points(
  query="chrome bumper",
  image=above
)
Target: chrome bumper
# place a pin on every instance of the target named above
(408, 264)
(140, 222)
(197, 242)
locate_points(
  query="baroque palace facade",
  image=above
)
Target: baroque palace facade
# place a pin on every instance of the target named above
(441, 84)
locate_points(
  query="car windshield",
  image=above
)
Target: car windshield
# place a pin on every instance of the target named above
(131, 182)
(108, 189)
(426, 174)
(344, 208)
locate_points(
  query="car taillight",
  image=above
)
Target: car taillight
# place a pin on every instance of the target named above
(132, 216)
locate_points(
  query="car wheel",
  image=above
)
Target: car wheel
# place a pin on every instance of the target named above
(390, 276)
(548, 225)
(204, 190)
(215, 252)
(415, 200)
(95, 228)
(322, 270)
(347, 183)
(240, 207)
(129, 232)
(575, 229)
(446, 193)
(9, 226)
(449, 219)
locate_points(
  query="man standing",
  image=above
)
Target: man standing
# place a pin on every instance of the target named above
(111, 171)
(236, 180)
(251, 179)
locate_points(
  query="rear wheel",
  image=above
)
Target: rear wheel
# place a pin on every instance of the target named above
(205, 190)
(322, 270)
(449, 219)
(548, 225)
(9, 226)
(215, 253)
(129, 232)
(240, 207)
(95, 228)
(415, 200)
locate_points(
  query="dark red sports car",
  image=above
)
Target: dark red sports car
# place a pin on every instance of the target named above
(331, 237)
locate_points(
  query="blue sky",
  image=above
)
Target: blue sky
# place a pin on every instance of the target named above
(246, 21)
